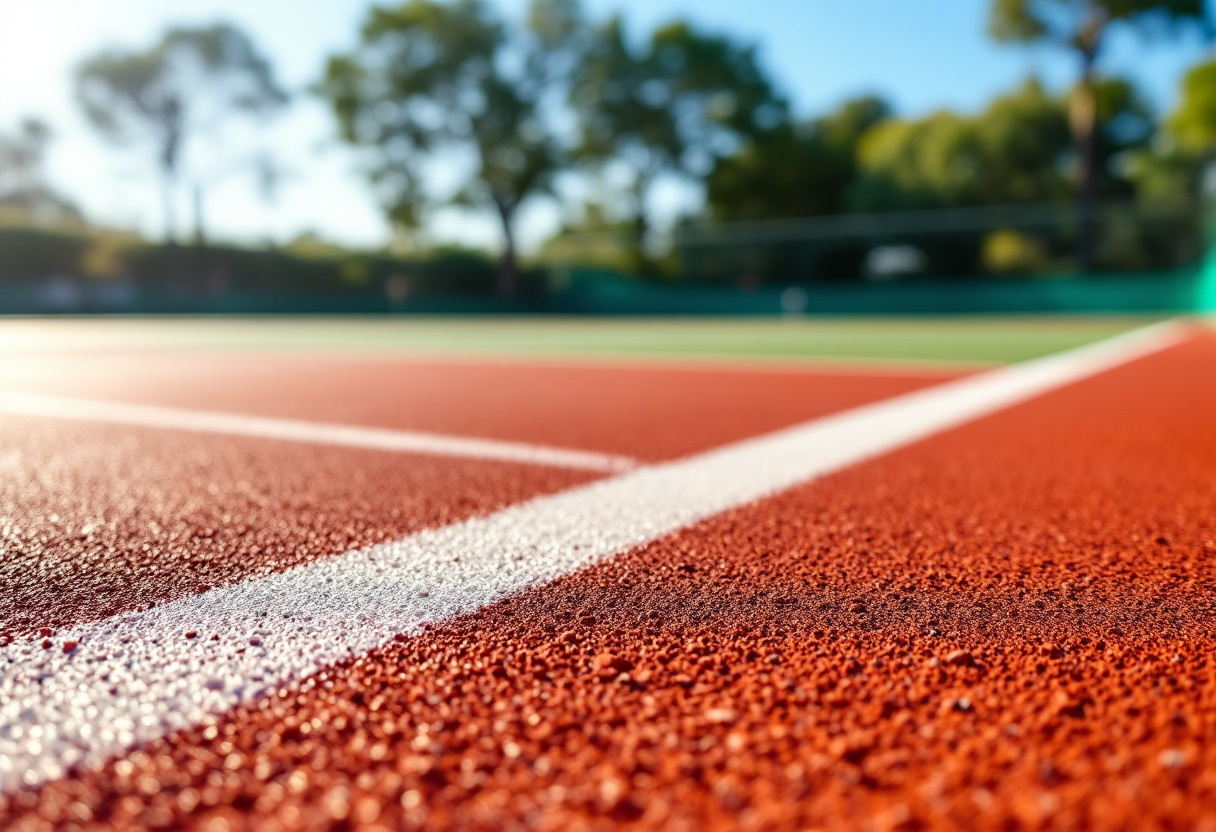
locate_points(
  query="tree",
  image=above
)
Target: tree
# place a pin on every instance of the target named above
(1191, 128)
(675, 106)
(1185, 146)
(1016, 150)
(1026, 144)
(1081, 26)
(1124, 125)
(24, 191)
(913, 164)
(21, 157)
(182, 87)
(795, 170)
(430, 80)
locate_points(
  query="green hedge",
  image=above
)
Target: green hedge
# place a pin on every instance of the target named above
(28, 254)
(29, 257)
(42, 272)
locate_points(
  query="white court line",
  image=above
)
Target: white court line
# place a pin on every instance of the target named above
(135, 677)
(318, 433)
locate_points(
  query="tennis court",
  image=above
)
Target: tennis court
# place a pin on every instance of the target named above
(773, 575)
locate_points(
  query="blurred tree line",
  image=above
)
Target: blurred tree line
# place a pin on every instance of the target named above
(518, 104)
(1097, 143)
(555, 92)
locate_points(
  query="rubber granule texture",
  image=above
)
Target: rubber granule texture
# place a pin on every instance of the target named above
(97, 520)
(1006, 627)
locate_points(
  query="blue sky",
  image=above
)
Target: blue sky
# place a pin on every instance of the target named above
(920, 54)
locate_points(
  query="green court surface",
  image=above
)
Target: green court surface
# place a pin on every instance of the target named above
(951, 340)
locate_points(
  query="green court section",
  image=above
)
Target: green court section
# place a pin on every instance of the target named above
(950, 340)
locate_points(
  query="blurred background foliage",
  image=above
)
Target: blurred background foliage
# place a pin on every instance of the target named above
(1036, 183)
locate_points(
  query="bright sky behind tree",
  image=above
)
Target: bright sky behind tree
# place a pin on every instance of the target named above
(920, 54)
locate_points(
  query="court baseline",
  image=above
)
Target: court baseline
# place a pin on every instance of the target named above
(296, 430)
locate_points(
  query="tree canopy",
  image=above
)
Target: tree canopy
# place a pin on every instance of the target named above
(25, 193)
(1173, 164)
(1011, 152)
(184, 85)
(1081, 26)
(1016, 150)
(675, 104)
(1191, 128)
(795, 170)
(432, 79)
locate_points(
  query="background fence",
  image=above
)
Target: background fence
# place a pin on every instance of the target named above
(1015, 259)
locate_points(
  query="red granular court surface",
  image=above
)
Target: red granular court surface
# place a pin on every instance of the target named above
(654, 413)
(99, 519)
(1009, 626)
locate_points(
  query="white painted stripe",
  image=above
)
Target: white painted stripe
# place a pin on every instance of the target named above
(136, 677)
(319, 433)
